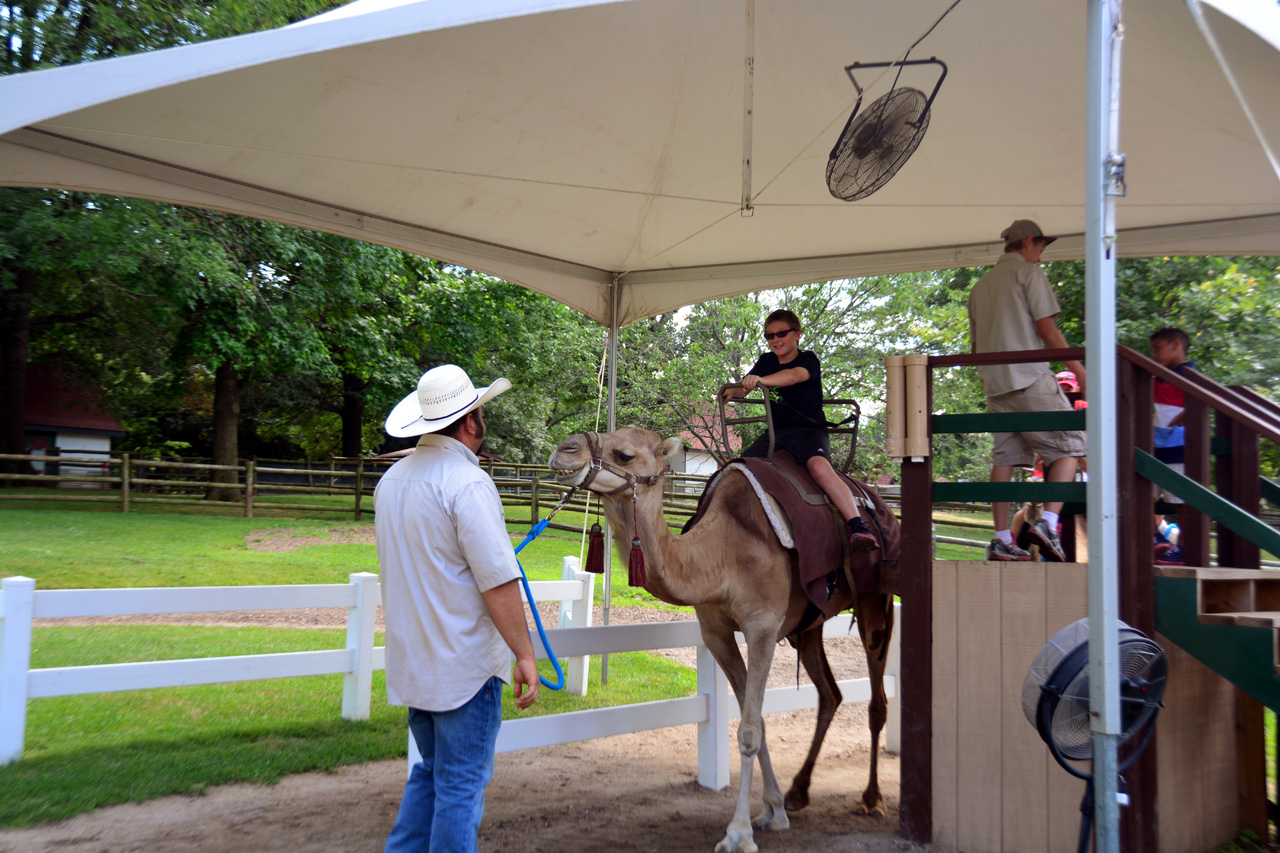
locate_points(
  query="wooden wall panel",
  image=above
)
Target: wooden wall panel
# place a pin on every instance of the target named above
(978, 709)
(1066, 600)
(1196, 748)
(995, 785)
(1024, 757)
(945, 779)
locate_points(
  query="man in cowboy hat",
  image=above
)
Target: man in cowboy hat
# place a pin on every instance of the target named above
(1012, 308)
(452, 607)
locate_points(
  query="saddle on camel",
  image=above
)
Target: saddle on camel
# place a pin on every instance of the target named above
(738, 566)
(810, 523)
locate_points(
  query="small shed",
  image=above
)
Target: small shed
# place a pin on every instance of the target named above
(63, 415)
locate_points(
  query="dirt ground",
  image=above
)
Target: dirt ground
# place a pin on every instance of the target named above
(632, 792)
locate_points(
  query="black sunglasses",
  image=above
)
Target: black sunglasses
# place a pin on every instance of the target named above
(768, 336)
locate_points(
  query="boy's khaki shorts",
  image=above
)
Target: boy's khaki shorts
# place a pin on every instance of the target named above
(1021, 448)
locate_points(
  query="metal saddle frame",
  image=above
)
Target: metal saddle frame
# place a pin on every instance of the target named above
(848, 426)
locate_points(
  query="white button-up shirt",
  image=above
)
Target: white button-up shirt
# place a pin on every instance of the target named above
(442, 541)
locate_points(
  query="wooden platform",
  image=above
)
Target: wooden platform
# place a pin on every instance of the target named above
(995, 787)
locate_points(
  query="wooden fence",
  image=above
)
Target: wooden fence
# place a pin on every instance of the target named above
(176, 481)
(711, 707)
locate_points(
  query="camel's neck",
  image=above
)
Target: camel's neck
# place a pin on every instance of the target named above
(671, 575)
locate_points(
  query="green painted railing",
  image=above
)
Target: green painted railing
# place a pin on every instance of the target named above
(1196, 495)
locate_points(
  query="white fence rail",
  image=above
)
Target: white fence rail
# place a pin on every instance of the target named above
(711, 707)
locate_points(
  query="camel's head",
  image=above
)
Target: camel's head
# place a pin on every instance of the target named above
(618, 456)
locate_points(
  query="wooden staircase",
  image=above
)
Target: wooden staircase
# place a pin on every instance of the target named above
(1229, 620)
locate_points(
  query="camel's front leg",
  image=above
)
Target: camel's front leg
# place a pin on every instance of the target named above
(747, 682)
(875, 626)
(751, 742)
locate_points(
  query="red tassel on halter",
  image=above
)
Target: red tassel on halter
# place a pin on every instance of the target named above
(595, 551)
(635, 566)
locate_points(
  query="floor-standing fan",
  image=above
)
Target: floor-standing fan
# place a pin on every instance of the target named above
(1055, 698)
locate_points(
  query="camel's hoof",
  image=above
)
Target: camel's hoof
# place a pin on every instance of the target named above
(876, 810)
(733, 843)
(796, 800)
(771, 819)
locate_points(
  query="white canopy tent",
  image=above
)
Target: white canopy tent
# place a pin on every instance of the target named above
(627, 158)
(563, 145)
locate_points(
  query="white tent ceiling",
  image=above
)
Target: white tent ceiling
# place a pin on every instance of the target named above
(562, 145)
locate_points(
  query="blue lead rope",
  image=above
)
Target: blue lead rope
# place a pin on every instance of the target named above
(533, 534)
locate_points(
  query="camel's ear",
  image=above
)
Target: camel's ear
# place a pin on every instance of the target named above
(671, 447)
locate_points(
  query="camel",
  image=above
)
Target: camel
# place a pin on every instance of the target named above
(738, 577)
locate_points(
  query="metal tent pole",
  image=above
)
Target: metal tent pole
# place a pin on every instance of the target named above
(611, 425)
(1104, 178)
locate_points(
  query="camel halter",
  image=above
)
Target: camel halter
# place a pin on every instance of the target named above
(597, 464)
(636, 575)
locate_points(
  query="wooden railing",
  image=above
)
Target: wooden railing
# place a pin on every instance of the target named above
(141, 480)
(1223, 429)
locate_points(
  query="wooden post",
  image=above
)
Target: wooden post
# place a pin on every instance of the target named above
(1136, 498)
(250, 473)
(357, 685)
(1134, 423)
(534, 507)
(1193, 524)
(576, 614)
(17, 601)
(1251, 753)
(1247, 493)
(916, 684)
(331, 470)
(124, 482)
(1224, 476)
(359, 485)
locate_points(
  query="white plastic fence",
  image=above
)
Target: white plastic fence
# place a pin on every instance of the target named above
(711, 707)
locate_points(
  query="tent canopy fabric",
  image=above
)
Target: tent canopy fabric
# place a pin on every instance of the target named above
(568, 145)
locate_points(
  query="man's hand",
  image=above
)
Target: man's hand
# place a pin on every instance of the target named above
(524, 683)
(507, 613)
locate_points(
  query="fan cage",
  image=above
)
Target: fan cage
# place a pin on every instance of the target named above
(1143, 671)
(877, 143)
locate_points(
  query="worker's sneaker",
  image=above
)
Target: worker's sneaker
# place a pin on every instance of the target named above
(997, 550)
(860, 538)
(1047, 539)
(1172, 557)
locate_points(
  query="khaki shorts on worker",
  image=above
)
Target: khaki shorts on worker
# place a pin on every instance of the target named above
(1020, 448)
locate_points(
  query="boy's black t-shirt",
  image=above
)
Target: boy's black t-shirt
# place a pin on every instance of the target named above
(804, 397)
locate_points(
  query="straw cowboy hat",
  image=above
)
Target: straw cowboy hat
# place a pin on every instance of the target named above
(444, 394)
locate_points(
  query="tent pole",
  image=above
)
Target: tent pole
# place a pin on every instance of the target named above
(612, 424)
(1103, 176)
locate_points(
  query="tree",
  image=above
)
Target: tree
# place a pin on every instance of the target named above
(37, 278)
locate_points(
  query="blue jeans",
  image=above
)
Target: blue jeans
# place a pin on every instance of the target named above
(444, 797)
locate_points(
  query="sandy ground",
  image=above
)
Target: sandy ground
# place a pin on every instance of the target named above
(631, 792)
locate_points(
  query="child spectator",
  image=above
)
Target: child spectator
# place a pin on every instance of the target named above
(1169, 348)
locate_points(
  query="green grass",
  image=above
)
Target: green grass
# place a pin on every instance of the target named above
(92, 550)
(83, 752)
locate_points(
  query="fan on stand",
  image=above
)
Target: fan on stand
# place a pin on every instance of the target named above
(1055, 699)
(874, 145)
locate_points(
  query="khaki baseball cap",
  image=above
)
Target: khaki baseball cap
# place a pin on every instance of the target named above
(1021, 229)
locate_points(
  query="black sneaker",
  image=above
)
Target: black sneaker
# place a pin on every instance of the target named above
(860, 538)
(1048, 541)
